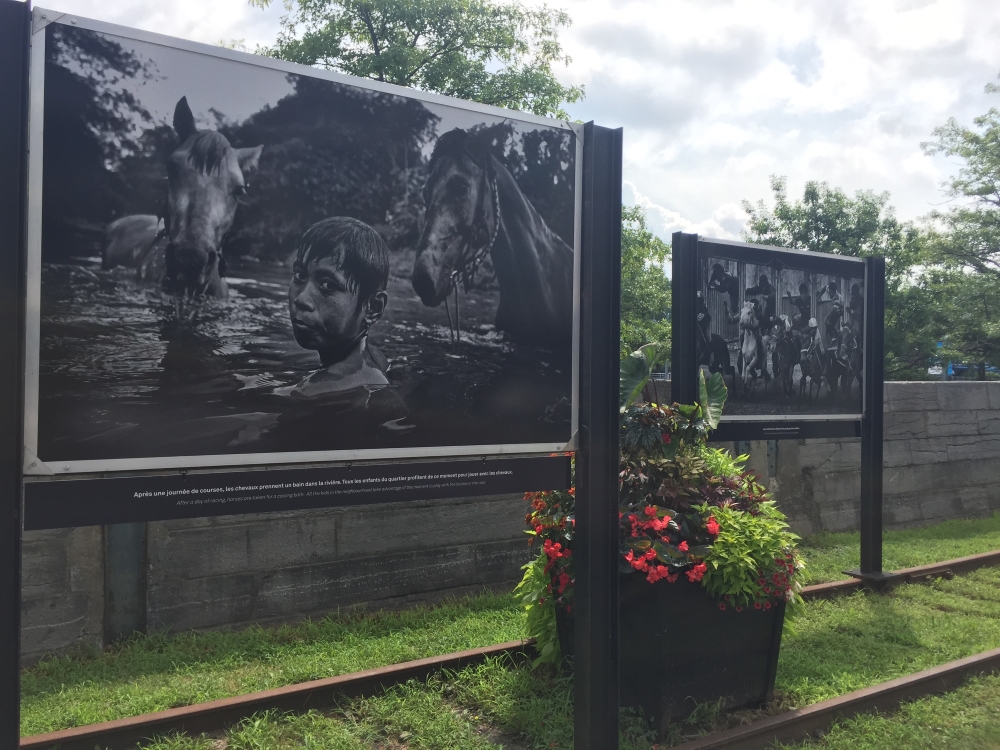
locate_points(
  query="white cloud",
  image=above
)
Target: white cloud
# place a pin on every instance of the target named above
(716, 96)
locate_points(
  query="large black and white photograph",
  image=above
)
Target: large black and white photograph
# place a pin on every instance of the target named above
(237, 259)
(785, 329)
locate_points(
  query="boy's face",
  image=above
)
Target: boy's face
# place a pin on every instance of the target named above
(323, 308)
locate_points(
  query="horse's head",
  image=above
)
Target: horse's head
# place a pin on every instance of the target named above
(206, 177)
(460, 219)
(847, 342)
(748, 316)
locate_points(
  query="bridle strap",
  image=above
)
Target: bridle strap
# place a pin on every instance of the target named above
(469, 263)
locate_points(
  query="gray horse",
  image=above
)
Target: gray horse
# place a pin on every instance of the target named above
(206, 176)
(475, 209)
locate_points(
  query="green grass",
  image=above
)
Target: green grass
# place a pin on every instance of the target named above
(965, 719)
(839, 645)
(828, 555)
(156, 672)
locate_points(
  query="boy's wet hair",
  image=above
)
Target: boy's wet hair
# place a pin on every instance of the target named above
(360, 250)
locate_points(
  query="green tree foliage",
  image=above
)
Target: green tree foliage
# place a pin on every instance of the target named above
(828, 220)
(499, 53)
(960, 283)
(970, 235)
(645, 286)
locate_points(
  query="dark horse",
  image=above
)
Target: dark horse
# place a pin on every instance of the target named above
(475, 209)
(787, 353)
(206, 176)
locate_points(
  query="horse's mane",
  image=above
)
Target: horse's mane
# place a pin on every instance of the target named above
(207, 151)
(457, 144)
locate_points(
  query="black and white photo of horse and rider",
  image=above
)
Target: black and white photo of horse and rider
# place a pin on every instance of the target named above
(788, 341)
(237, 260)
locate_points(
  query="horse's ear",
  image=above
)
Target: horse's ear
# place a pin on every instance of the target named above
(184, 120)
(248, 158)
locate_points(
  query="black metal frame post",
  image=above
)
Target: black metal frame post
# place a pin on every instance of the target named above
(684, 286)
(15, 30)
(871, 423)
(595, 549)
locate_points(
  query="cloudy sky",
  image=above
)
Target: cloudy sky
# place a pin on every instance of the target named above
(716, 96)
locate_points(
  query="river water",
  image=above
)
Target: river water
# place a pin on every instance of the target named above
(121, 378)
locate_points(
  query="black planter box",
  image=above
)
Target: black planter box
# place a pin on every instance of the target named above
(678, 649)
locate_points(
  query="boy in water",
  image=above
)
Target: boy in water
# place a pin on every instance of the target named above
(337, 293)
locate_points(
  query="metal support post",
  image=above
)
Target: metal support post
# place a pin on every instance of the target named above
(871, 430)
(596, 544)
(684, 353)
(15, 29)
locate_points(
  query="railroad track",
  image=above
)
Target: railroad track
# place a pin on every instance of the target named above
(789, 726)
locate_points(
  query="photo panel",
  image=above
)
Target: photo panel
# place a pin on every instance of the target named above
(785, 329)
(241, 260)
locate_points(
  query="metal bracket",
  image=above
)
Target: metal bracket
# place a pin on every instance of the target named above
(34, 465)
(879, 580)
(42, 18)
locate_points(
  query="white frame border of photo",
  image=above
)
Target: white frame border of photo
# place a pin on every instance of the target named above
(806, 257)
(41, 18)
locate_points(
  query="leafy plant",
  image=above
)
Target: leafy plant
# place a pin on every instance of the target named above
(684, 509)
(635, 371)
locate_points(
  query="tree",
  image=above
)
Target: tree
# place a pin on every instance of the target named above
(91, 125)
(499, 53)
(645, 286)
(963, 255)
(971, 230)
(828, 220)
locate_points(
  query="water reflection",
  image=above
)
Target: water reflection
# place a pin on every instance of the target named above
(120, 378)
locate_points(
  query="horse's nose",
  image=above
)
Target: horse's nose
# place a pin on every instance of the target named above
(424, 284)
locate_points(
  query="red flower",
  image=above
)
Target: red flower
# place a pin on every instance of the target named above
(756, 605)
(683, 546)
(712, 526)
(665, 437)
(650, 511)
(739, 608)
(767, 605)
(697, 572)
(722, 606)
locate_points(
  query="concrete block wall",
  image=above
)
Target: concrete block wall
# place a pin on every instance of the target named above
(234, 570)
(942, 460)
(62, 591)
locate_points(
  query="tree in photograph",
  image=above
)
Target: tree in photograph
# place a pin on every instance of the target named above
(645, 286)
(92, 123)
(499, 53)
(828, 220)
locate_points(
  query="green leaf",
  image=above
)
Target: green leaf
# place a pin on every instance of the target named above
(713, 395)
(634, 372)
(668, 552)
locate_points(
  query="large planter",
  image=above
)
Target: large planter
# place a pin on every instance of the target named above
(678, 649)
